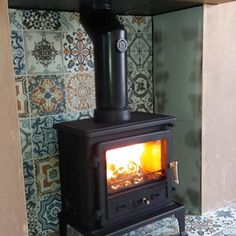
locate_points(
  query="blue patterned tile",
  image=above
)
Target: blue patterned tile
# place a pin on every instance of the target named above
(44, 136)
(26, 141)
(47, 95)
(32, 217)
(18, 52)
(80, 115)
(48, 208)
(43, 52)
(78, 52)
(140, 90)
(15, 18)
(29, 179)
(41, 20)
(70, 22)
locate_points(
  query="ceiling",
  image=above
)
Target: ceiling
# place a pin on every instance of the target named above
(122, 7)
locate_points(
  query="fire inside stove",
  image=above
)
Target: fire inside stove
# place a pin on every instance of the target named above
(136, 164)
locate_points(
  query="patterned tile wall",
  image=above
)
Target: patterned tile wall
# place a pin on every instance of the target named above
(54, 69)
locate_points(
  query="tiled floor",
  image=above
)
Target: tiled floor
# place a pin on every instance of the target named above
(221, 222)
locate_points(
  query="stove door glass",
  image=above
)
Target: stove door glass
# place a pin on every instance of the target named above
(136, 164)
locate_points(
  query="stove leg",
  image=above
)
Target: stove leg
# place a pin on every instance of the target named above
(181, 220)
(62, 225)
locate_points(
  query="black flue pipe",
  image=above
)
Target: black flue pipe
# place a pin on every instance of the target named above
(110, 59)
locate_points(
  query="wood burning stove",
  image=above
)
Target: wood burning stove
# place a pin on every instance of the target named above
(115, 169)
(116, 176)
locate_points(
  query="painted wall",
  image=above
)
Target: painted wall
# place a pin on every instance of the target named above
(219, 109)
(54, 78)
(177, 88)
(12, 202)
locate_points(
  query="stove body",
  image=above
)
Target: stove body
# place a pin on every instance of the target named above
(101, 198)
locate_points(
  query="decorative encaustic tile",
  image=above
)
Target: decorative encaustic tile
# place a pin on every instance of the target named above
(140, 90)
(212, 222)
(139, 42)
(43, 52)
(139, 52)
(139, 60)
(44, 136)
(28, 168)
(80, 115)
(41, 20)
(129, 23)
(32, 217)
(26, 141)
(144, 23)
(15, 18)
(135, 24)
(18, 52)
(22, 96)
(80, 90)
(78, 52)
(47, 95)
(70, 21)
(47, 175)
(48, 208)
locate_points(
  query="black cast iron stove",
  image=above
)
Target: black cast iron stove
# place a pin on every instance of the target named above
(116, 170)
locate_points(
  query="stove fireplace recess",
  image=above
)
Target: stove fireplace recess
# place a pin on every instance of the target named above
(116, 170)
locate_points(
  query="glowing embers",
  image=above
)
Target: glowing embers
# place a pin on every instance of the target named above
(136, 164)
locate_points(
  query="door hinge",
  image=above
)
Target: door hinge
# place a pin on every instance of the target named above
(94, 163)
(99, 215)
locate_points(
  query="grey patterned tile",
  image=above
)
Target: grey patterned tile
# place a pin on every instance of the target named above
(41, 20)
(135, 24)
(138, 60)
(70, 22)
(139, 51)
(15, 17)
(140, 90)
(230, 231)
(18, 52)
(26, 141)
(22, 99)
(129, 23)
(47, 95)
(80, 92)
(44, 136)
(43, 52)
(78, 52)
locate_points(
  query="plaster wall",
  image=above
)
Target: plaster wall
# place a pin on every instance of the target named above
(12, 203)
(218, 106)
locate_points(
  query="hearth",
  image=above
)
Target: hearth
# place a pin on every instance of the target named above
(116, 170)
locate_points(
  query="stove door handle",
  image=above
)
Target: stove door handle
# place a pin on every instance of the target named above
(174, 166)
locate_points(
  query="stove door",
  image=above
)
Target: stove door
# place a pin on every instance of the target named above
(133, 175)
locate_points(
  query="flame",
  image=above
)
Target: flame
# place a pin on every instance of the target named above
(122, 157)
(133, 164)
